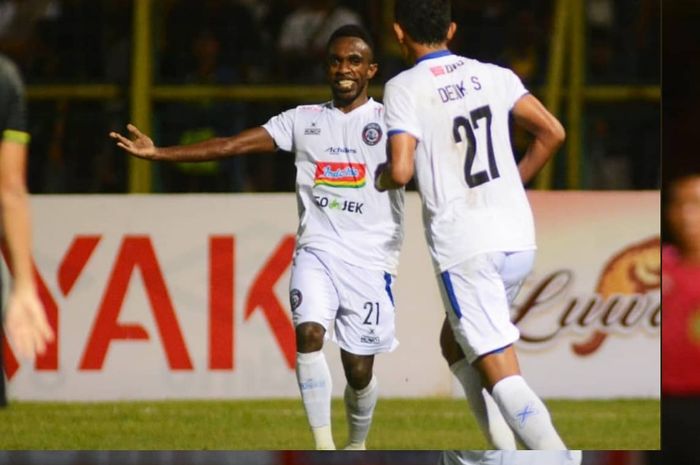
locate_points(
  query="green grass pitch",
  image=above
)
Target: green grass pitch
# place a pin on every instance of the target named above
(280, 424)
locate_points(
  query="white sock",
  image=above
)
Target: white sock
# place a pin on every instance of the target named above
(315, 385)
(359, 406)
(487, 414)
(526, 414)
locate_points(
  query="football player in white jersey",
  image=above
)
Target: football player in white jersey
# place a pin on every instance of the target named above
(349, 234)
(447, 120)
(511, 457)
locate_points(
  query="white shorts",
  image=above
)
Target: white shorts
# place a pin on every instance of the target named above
(477, 295)
(356, 302)
(517, 457)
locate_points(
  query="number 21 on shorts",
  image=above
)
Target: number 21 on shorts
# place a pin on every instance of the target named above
(372, 309)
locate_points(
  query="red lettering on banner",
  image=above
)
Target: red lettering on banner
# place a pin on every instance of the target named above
(75, 260)
(262, 295)
(135, 252)
(48, 361)
(221, 302)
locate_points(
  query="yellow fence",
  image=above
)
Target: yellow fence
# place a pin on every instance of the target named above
(568, 40)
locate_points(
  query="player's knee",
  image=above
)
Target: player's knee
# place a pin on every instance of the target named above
(359, 375)
(358, 369)
(309, 337)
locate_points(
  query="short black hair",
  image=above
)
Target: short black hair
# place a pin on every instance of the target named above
(426, 21)
(352, 30)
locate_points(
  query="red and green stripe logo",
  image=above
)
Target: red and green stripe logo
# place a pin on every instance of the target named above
(338, 174)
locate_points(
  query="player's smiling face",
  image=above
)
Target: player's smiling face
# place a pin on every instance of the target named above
(350, 67)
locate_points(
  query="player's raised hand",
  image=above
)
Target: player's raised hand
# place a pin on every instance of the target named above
(26, 324)
(140, 145)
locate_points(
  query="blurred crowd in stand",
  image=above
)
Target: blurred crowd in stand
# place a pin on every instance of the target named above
(232, 42)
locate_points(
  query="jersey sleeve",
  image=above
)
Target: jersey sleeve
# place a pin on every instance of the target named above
(514, 88)
(400, 110)
(13, 114)
(281, 128)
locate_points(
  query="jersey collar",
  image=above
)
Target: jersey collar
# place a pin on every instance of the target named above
(367, 104)
(436, 54)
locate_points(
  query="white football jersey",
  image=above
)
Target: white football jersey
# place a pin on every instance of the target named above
(473, 199)
(340, 211)
(512, 457)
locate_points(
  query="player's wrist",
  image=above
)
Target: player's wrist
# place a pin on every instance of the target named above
(156, 153)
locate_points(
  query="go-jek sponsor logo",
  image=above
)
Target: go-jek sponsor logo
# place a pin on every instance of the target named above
(340, 174)
(340, 205)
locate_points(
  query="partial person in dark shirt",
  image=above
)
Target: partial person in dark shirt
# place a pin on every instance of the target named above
(25, 320)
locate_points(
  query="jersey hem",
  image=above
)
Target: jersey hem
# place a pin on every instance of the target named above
(364, 265)
(453, 263)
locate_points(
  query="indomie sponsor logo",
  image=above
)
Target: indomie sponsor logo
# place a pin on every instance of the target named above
(340, 174)
(345, 206)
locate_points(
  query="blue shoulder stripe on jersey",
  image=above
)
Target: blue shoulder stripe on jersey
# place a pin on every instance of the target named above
(447, 282)
(387, 280)
(395, 131)
(438, 54)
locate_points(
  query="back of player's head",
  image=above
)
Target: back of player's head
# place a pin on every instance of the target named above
(352, 30)
(426, 21)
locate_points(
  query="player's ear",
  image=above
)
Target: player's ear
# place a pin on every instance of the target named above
(451, 30)
(372, 70)
(398, 32)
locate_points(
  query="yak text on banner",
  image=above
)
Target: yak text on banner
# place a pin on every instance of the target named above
(186, 296)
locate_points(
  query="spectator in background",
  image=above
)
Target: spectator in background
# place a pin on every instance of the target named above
(483, 31)
(25, 321)
(522, 53)
(195, 121)
(231, 24)
(680, 339)
(304, 34)
(680, 266)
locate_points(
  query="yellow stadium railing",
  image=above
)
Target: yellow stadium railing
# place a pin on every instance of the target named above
(568, 28)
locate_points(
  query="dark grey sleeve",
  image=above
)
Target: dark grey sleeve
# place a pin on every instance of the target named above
(13, 108)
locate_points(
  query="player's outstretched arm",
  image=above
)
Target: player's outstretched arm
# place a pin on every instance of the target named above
(25, 321)
(249, 141)
(547, 131)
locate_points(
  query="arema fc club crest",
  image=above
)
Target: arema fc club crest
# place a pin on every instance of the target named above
(372, 134)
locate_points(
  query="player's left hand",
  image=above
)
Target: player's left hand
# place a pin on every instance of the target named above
(140, 145)
(26, 324)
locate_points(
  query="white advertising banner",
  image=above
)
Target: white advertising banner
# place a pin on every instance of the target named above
(186, 296)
